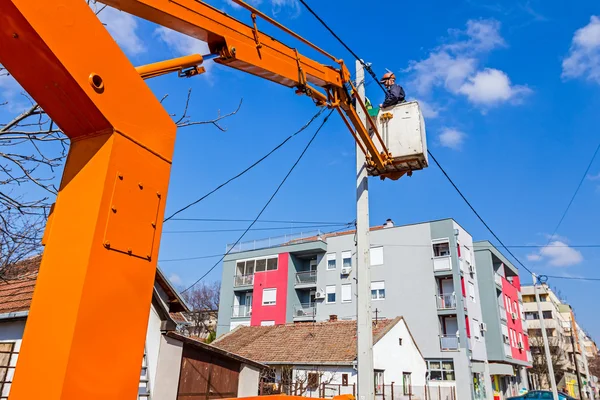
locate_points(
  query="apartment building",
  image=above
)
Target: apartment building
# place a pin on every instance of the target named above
(506, 338)
(424, 272)
(560, 325)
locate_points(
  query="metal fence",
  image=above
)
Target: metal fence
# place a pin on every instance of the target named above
(293, 238)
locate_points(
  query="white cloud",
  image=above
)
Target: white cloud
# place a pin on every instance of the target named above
(175, 279)
(491, 86)
(254, 3)
(594, 177)
(123, 28)
(583, 59)
(277, 6)
(557, 254)
(428, 109)
(454, 66)
(452, 138)
(181, 44)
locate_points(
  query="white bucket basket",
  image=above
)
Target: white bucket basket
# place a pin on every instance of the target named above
(402, 129)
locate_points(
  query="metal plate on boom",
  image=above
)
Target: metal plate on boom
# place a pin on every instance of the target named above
(133, 204)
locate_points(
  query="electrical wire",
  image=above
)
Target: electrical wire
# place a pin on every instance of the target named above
(260, 221)
(258, 229)
(249, 168)
(266, 205)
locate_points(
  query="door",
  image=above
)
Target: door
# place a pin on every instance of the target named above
(248, 303)
(447, 286)
(205, 376)
(312, 298)
(451, 326)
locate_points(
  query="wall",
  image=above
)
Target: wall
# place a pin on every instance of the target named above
(394, 359)
(276, 279)
(169, 367)
(11, 331)
(513, 293)
(153, 342)
(248, 381)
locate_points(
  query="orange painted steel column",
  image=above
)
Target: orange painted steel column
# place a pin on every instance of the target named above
(85, 333)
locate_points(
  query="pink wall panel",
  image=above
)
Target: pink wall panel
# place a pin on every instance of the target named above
(277, 279)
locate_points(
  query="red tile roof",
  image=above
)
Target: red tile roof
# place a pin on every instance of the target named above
(309, 343)
(16, 290)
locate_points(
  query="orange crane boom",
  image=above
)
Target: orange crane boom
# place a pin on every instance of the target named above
(86, 328)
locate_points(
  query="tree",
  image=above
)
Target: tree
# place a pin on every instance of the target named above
(558, 357)
(204, 302)
(594, 366)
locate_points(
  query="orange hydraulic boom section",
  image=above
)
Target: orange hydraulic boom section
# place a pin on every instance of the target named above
(86, 328)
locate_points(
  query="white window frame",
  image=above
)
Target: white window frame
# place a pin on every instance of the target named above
(346, 289)
(267, 258)
(345, 256)
(331, 257)
(443, 372)
(476, 328)
(440, 241)
(269, 303)
(471, 291)
(374, 252)
(379, 288)
(331, 289)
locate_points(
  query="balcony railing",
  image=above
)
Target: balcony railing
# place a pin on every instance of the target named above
(449, 342)
(243, 280)
(498, 279)
(502, 313)
(306, 277)
(446, 301)
(442, 263)
(241, 311)
(305, 310)
(292, 238)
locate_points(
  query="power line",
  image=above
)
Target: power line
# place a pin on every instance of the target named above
(512, 246)
(267, 204)
(247, 169)
(259, 221)
(564, 214)
(365, 65)
(579, 278)
(190, 258)
(259, 229)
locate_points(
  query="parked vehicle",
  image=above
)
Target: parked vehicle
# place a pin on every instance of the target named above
(539, 395)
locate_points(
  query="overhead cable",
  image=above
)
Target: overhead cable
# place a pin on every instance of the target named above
(247, 169)
(267, 203)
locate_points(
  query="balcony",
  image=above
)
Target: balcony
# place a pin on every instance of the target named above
(306, 278)
(243, 280)
(305, 311)
(442, 264)
(449, 342)
(446, 301)
(498, 279)
(241, 312)
(529, 357)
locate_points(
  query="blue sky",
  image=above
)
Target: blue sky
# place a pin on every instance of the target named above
(510, 91)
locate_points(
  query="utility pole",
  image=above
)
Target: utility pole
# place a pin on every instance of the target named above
(545, 337)
(575, 361)
(364, 318)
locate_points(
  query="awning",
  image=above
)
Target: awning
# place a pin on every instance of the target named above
(478, 367)
(501, 369)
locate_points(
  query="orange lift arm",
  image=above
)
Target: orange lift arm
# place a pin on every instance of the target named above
(247, 49)
(85, 332)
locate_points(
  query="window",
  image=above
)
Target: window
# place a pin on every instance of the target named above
(261, 265)
(376, 255)
(406, 385)
(476, 329)
(346, 293)
(346, 259)
(531, 316)
(267, 323)
(547, 314)
(312, 381)
(440, 370)
(472, 291)
(441, 249)
(378, 290)
(330, 293)
(6, 357)
(269, 297)
(515, 308)
(378, 382)
(271, 264)
(331, 261)
(521, 340)
(249, 267)
(400, 341)
(344, 379)
(467, 253)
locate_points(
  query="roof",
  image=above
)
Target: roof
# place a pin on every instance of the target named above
(16, 290)
(301, 343)
(196, 342)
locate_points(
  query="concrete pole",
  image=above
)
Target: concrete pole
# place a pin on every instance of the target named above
(575, 361)
(545, 337)
(364, 318)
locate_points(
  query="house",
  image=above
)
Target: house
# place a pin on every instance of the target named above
(171, 361)
(506, 335)
(318, 359)
(425, 272)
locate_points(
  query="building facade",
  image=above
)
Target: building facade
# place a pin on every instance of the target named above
(425, 272)
(506, 338)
